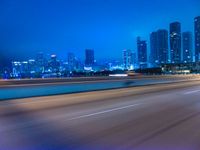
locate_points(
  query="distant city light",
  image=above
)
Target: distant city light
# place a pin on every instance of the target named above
(118, 75)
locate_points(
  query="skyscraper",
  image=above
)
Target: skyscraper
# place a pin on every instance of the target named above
(71, 61)
(162, 44)
(128, 59)
(54, 64)
(197, 38)
(142, 52)
(187, 46)
(153, 48)
(175, 42)
(89, 57)
(40, 62)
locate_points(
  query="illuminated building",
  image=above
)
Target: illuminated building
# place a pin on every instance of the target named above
(153, 48)
(54, 65)
(40, 62)
(128, 59)
(71, 61)
(142, 52)
(175, 42)
(187, 46)
(197, 38)
(20, 69)
(162, 46)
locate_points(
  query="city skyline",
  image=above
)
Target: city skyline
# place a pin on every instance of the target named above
(99, 74)
(105, 36)
(180, 51)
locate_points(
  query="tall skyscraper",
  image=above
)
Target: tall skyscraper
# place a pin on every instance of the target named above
(153, 48)
(162, 40)
(128, 59)
(89, 57)
(159, 47)
(142, 52)
(40, 62)
(187, 47)
(197, 38)
(175, 42)
(54, 64)
(71, 61)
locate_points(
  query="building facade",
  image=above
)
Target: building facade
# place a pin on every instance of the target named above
(175, 42)
(41, 62)
(89, 57)
(54, 64)
(162, 46)
(197, 38)
(159, 47)
(142, 52)
(187, 47)
(128, 59)
(71, 59)
(154, 49)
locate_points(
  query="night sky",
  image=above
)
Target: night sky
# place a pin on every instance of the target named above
(107, 26)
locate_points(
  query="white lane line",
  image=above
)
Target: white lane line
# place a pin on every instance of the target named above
(191, 92)
(31, 123)
(105, 111)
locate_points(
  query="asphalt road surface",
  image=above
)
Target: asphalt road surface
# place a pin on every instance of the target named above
(156, 117)
(12, 89)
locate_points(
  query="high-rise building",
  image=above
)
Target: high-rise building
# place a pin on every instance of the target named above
(142, 52)
(187, 46)
(16, 69)
(71, 61)
(125, 58)
(162, 43)
(89, 57)
(154, 48)
(40, 62)
(128, 59)
(134, 55)
(159, 47)
(197, 38)
(175, 42)
(54, 64)
(32, 65)
(20, 69)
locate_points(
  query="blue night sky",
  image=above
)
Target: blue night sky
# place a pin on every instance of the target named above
(107, 26)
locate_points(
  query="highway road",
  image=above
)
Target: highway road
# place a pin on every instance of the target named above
(12, 89)
(50, 81)
(154, 117)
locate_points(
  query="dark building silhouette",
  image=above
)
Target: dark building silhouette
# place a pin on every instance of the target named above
(142, 52)
(159, 47)
(153, 48)
(187, 47)
(71, 61)
(175, 42)
(54, 64)
(89, 57)
(162, 46)
(40, 62)
(197, 38)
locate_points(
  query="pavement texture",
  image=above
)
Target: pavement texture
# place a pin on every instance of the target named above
(154, 117)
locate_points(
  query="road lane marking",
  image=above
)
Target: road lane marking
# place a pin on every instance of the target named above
(105, 111)
(21, 125)
(191, 92)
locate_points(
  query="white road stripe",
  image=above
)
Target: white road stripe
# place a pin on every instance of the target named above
(191, 92)
(105, 111)
(21, 125)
